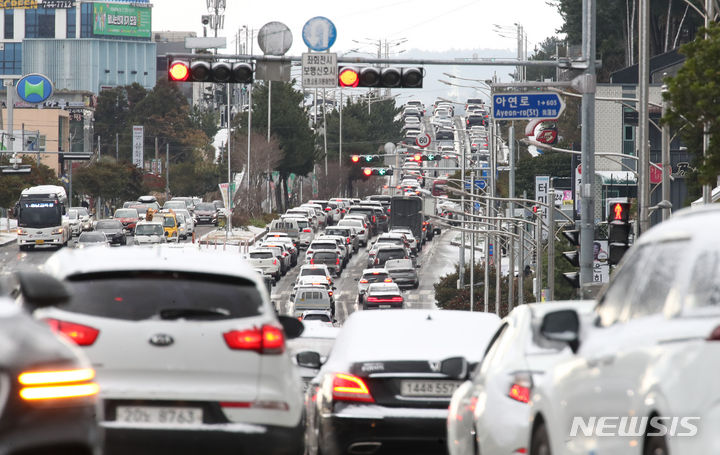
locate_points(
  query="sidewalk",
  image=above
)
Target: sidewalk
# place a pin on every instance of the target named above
(7, 236)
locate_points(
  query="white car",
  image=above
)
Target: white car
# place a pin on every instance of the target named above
(189, 222)
(265, 260)
(149, 232)
(359, 226)
(188, 350)
(516, 360)
(76, 223)
(643, 368)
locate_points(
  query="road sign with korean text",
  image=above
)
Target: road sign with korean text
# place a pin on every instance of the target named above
(319, 70)
(527, 106)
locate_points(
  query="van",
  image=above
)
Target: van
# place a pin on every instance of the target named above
(289, 226)
(312, 298)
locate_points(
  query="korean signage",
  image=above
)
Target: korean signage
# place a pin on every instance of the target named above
(563, 198)
(137, 143)
(35, 4)
(319, 70)
(527, 106)
(57, 4)
(542, 183)
(601, 266)
(121, 20)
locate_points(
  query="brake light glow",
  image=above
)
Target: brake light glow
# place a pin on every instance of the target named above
(396, 299)
(56, 377)
(388, 280)
(274, 261)
(82, 335)
(327, 209)
(307, 230)
(347, 387)
(312, 261)
(48, 385)
(266, 340)
(520, 393)
(347, 240)
(363, 281)
(337, 261)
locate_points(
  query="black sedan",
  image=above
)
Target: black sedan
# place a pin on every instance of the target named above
(389, 393)
(47, 392)
(205, 212)
(113, 230)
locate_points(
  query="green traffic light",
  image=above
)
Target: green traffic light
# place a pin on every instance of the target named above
(382, 171)
(431, 157)
(368, 158)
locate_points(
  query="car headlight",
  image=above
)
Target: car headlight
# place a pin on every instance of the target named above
(57, 231)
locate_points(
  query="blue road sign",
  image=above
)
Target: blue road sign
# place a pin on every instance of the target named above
(34, 88)
(490, 250)
(527, 106)
(319, 33)
(477, 206)
(482, 183)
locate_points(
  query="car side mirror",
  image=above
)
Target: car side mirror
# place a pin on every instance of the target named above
(309, 359)
(292, 327)
(562, 326)
(42, 290)
(455, 367)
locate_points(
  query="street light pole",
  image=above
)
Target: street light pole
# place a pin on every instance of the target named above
(665, 156)
(643, 116)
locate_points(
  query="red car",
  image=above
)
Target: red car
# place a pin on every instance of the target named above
(128, 217)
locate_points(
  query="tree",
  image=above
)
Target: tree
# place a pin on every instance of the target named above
(11, 185)
(108, 179)
(694, 96)
(555, 164)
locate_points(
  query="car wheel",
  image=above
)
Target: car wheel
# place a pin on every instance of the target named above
(540, 444)
(655, 445)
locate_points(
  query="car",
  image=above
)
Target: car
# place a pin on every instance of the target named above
(368, 277)
(269, 280)
(305, 232)
(149, 233)
(280, 237)
(315, 270)
(312, 297)
(346, 250)
(316, 340)
(317, 315)
(321, 244)
(186, 224)
(76, 224)
(644, 352)
(170, 224)
(147, 199)
(516, 361)
(175, 204)
(49, 390)
(415, 246)
(128, 217)
(206, 213)
(114, 231)
(281, 254)
(189, 353)
(265, 260)
(387, 382)
(360, 227)
(85, 218)
(351, 239)
(385, 252)
(403, 272)
(369, 211)
(330, 258)
(322, 217)
(92, 238)
(189, 203)
(289, 252)
(383, 296)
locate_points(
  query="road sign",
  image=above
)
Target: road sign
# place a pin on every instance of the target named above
(527, 106)
(138, 140)
(275, 38)
(319, 70)
(422, 140)
(480, 184)
(34, 88)
(319, 33)
(542, 183)
(490, 250)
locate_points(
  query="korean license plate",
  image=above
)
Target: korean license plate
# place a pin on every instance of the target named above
(39, 241)
(428, 388)
(159, 415)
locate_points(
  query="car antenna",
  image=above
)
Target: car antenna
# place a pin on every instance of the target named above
(429, 318)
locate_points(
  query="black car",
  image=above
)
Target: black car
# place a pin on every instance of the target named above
(46, 387)
(475, 120)
(205, 212)
(330, 258)
(444, 135)
(113, 230)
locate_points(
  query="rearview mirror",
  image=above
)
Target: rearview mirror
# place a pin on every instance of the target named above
(292, 327)
(41, 290)
(562, 326)
(309, 359)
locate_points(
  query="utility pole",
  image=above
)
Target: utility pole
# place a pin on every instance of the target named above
(167, 171)
(665, 155)
(229, 153)
(709, 18)
(643, 117)
(551, 243)
(587, 197)
(249, 131)
(465, 146)
(324, 106)
(538, 255)
(511, 194)
(117, 148)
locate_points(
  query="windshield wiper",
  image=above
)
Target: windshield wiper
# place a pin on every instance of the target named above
(193, 313)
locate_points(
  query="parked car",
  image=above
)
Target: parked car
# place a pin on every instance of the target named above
(647, 350)
(190, 355)
(114, 230)
(516, 361)
(389, 392)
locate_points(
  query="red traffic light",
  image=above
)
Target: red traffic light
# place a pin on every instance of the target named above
(619, 211)
(417, 157)
(535, 208)
(367, 171)
(355, 158)
(179, 71)
(348, 77)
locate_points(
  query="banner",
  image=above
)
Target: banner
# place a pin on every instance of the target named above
(138, 141)
(113, 19)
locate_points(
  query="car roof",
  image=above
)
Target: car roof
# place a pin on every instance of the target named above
(374, 271)
(68, 262)
(411, 335)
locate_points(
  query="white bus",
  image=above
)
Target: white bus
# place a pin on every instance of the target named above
(41, 217)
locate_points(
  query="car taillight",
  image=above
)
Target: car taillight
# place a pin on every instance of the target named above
(274, 261)
(520, 388)
(327, 209)
(330, 293)
(715, 334)
(347, 387)
(312, 261)
(82, 335)
(266, 340)
(363, 281)
(337, 261)
(396, 299)
(388, 280)
(377, 260)
(307, 230)
(347, 240)
(57, 385)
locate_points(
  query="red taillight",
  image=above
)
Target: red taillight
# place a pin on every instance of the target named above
(520, 393)
(312, 261)
(337, 261)
(307, 230)
(363, 281)
(82, 335)
(347, 387)
(348, 240)
(388, 280)
(373, 218)
(274, 261)
(327, 209)
(714, 335)
(285, 254)
(268, 340)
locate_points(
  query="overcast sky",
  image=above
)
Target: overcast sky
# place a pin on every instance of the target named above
(429, 25)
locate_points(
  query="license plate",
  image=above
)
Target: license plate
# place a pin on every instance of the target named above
(39, 242)
(159, 415)
(428, 388)
(384, 306)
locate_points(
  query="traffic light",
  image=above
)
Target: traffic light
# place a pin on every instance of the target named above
(428, 157)
(365, 159)
(381, 171)
(618, 231)
(206, 71)
(573, 256)
(349, 76)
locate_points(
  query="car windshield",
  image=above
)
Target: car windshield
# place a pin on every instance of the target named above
(108, 224)
(73, 214)
(168, 221)
(317, 317)
(312, 272)
(376, 277)
(141, 295)
(175, 205)
(149, 229)
(126, 213)
(261, 255)
(205, 207)
(92, 237)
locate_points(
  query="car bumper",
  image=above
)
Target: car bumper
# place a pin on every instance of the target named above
(205, 219)
(404, 282)
(379, 430)
(48, 428)
(44, 240)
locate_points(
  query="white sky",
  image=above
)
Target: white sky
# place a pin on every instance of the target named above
(428, 25)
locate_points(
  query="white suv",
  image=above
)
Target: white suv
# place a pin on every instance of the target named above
(189, 352)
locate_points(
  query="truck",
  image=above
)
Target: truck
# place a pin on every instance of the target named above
(430, 210)
(40, 213)
(408, 212)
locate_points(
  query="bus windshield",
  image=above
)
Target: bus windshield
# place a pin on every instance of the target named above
(39, 214)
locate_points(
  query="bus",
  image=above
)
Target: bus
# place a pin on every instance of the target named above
(439, 187)
(40, 213)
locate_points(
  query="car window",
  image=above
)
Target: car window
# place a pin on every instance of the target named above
(149, 229)
(126, 213)
(375, 277)
(492, 348)
(261, 255)
(108, 224)
(205, 207)
(324, 256)
(140, 295)
(704, 287)
(168, 221)
(616, 299)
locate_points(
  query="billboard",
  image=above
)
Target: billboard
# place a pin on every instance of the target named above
(112, 19)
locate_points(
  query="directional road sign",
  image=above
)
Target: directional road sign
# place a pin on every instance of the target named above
(422, 140)
(527, 106)
(481, 184)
